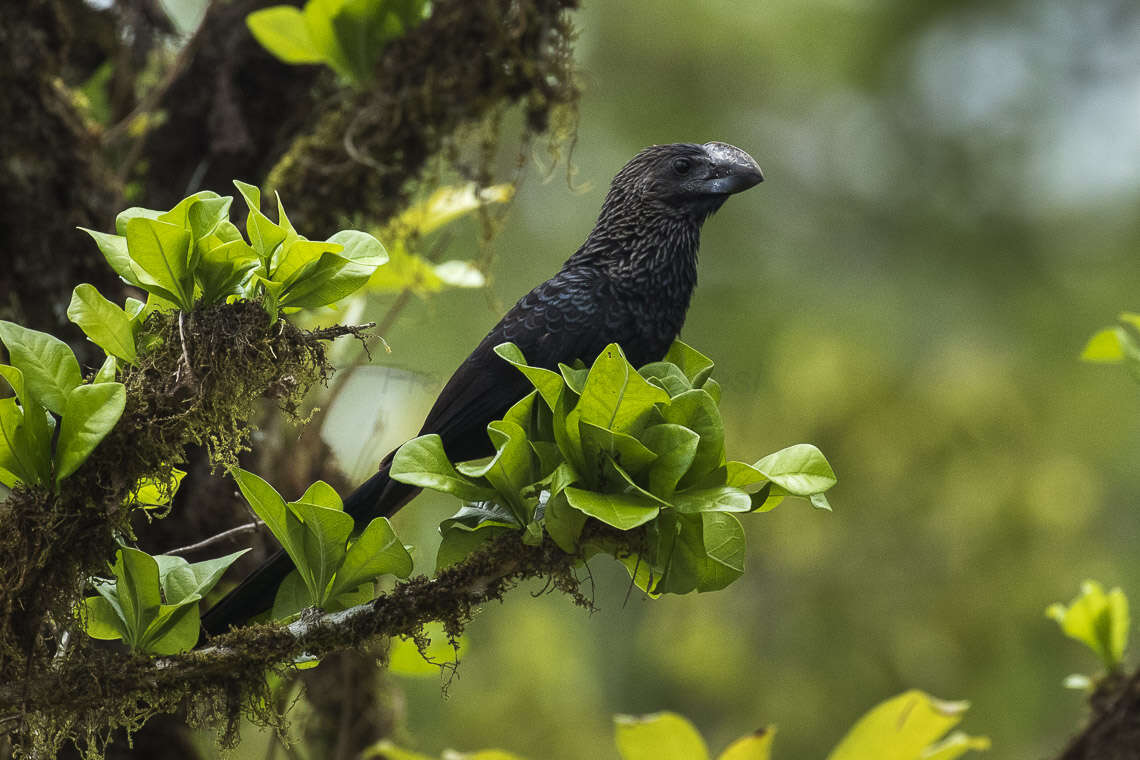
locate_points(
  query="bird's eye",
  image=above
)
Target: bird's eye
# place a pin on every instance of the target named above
(681, 165)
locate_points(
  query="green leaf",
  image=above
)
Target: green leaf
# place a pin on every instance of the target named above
(335, 276)
(150, 492)
(323, 495)
(319, 16)
(297, 258)
(114, 249)
(719, 499)
(179, 216)
(160, 258)
(1097, 619)
(105, 324)
(660, 736)
(107, 370)
(702, 552)
(445, 205)
(194, 580)
(361, 31)
(675, 447)
(282, 31)
(615, 396)
(49, 368)
(563, 523)
(743, 475)
(174, 629)
(801, 470)
(478, 516)
(223, 268)
(627, 451)
(697, 411)
(756, 746)
(575, 377)
(1106, 346)
(323, 544)
(91, 413)
(134, 212)
(270, 507)
(422, 462)
(136, 575)
(378, 551)
(264, 235)
(100, 619)
(696, 366)
(622, 511)
(16, 460)
(206, 213)
(667, 376)
(547, 383)
(903, 728)
(510, 469)
(25, 432)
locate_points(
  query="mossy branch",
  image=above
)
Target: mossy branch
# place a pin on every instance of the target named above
(200, 382)
(227, 677)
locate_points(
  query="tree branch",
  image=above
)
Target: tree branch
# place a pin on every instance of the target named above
(118, 684)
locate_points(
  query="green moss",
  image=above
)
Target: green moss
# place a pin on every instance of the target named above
(200, 382)
(461, 67)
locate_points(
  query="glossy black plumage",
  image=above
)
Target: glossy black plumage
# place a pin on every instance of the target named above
(630, 282)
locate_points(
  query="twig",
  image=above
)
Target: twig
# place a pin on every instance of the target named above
(224, 535)
(151, 99)
(338, 331)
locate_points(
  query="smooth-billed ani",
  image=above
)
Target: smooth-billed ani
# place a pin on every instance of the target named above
(630, 283)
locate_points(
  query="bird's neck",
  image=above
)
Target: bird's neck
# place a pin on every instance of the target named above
(647, 249)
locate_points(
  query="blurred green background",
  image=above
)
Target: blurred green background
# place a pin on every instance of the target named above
(950, 211)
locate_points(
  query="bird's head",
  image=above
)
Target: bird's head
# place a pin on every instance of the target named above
(684, 178)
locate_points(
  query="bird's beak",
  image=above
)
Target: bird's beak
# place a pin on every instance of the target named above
(733, 170)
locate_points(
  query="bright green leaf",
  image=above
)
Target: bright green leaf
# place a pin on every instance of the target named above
(755, 746)
(622, 511)
(378, 551)
(49, 368)
(719, 499)
(91, 413)
(548, 383)
(422, 462)
(660, 736)
(696, 366)
(282, 31)
(160, 258)
(902, 728)
(105, 324)
(801, 470)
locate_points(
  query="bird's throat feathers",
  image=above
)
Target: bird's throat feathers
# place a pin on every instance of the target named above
(647, 242)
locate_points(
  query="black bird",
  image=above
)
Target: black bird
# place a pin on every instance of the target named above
(630, 283)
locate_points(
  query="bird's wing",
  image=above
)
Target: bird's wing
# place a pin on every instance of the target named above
(558, 321)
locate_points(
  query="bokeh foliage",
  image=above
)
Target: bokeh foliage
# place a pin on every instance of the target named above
(949, 214)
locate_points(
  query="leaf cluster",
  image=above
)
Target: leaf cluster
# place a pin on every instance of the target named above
(633, 449)
(54, 420)
(193, 254)
(346, 35)
(1098, 619)
(151, 603)
(1119, 344)
(331, 571)
(910, 726)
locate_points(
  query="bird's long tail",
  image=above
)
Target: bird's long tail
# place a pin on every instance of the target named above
(379, 496)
